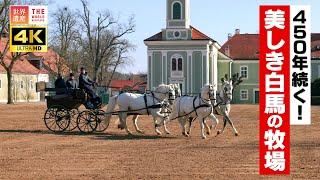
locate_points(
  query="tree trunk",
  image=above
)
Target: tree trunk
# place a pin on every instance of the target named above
(112, 74)
(9, 78)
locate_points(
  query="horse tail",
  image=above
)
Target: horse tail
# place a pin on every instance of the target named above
(111, 106)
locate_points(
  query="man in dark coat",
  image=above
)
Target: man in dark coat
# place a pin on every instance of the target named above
(60, 85)
(86, 83)
(71, 82)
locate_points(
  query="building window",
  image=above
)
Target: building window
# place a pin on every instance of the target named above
(176, 63)
(177, 66)
(244, 94)
(244, 71)
(21, 84)
(31, 85)
(176, 10)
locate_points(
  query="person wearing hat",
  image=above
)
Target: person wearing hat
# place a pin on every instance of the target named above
(60, 85)
(71, 82)
(86, 84)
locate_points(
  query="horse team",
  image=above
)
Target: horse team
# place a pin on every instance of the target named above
(166, 104)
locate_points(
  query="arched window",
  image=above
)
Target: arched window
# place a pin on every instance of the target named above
(180, 64)
(176, 10)
(176, 63)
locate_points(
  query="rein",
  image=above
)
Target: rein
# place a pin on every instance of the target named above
(195, 108)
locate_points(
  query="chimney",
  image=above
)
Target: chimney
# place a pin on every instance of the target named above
(229, 36)
(237, 31)
(227, 50)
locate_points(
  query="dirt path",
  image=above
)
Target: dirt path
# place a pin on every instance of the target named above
(29, 151)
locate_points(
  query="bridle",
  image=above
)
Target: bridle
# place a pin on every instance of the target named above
(171, 95)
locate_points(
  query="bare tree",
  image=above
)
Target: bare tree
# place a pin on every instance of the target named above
(103, 37)
(120, 58)
(28, 88)
(7, 59)
(64, 36)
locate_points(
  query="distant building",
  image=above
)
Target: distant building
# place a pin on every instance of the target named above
(182, 54)
(136, 83)
(243, 49)
(28, 70)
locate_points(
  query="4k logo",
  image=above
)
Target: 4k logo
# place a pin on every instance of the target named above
(28, 39)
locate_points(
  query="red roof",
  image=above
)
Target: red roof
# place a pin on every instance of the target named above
(246, 46)
(198, 35)
(51, 59)
(120, 84)
(22, 66)
(195, 35)
(242, 46)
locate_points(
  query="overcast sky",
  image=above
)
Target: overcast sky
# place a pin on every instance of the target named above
(216, 18)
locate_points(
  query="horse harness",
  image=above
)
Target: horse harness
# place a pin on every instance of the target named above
(154, 106)
(195, 108)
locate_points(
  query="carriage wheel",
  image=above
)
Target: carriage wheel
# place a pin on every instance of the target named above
(57, 119)
(86, 121)
(73, 121)
(102, 121)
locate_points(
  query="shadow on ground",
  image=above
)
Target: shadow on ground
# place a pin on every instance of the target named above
(96, 136)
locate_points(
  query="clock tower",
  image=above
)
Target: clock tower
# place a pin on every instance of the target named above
(178, 14)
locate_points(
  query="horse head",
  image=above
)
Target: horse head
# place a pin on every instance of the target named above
(163, 92)
(177, 89)
(227, 89)
(207, 92)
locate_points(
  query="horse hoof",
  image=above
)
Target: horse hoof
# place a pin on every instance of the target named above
(168, 132)
(236, 134)
(185, 134)
(204, 137)
(141, 132)
(208, 133)
(219, 132)
(120, 127)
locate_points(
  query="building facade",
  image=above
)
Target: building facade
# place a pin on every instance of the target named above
(243, 49)
(181, 53)
(28, 70)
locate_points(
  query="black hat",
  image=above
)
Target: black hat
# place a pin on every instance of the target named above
(71, 74)
(82, 68)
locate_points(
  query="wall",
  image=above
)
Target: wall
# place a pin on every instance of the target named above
(26, 94)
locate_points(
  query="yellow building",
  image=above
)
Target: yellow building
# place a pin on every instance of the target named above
(24, 78)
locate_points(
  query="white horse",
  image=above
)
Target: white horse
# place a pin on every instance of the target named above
(141, 104)
(165, 109)
(222, 107)
(198, 107)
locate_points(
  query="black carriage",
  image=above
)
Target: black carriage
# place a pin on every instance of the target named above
(63, 113)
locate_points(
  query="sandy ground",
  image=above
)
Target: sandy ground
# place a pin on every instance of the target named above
(29, 151)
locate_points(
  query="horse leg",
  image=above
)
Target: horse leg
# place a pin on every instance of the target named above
(135, 122)
(156, 125)
(214, 120)
(190, 120)
(224, 126)
(123, 118)
(201, 121)
(232, 125)
(182, 123)
(208, 129)
(165, 127)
